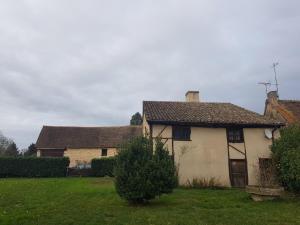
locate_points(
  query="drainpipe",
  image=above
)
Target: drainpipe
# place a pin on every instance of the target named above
(273, 131)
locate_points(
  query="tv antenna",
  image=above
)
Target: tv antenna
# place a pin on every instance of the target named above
(267, 85)
(276, 82)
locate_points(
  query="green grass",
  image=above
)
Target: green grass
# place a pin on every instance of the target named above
(94, 201)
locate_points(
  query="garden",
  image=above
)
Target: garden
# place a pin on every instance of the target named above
(91, 201)
(139, 186)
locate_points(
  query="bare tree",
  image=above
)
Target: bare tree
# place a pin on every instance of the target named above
(7, 146)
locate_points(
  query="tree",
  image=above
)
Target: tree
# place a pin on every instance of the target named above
(31, 151)
(140, 174)
(4, 143)
(12, 150)
(165, 177)
(286, 153)
(136, 119)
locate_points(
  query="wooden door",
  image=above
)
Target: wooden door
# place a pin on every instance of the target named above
(238, 169)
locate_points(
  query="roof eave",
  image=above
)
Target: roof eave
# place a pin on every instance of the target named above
(215, 125)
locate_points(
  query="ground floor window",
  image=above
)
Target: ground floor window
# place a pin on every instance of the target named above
(265, 163)
(267, 172)
(52, 153)
(104, 152)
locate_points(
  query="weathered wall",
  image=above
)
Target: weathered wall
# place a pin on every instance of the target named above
(164, 132)
(86, 155)
(257, 146)
(206, 155)
(233, 153)
(145, 127)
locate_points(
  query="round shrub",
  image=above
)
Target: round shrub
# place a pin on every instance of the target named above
(286, 153)
(141, 174)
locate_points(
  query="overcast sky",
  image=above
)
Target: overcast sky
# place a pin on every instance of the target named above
(94, 62)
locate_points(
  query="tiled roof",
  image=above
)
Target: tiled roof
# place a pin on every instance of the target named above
(293, 107)
(204, 113)
(85, 137)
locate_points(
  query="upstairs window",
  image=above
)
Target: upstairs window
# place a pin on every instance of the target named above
(182, 133)
(235, 135)
(104, 152)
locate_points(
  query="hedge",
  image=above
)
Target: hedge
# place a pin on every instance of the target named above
(103, 167)
(290, 169)
(76, 172)
(286, 153)
(33, 167)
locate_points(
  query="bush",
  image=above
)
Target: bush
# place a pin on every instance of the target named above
(33, 167)
(165, 176)
(204, 183)
(290, 169)
(286, 153)
(76, 172)
(142, 175)
(103, 167)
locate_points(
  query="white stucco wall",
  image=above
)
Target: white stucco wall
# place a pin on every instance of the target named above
(258, 146)
(206, 155)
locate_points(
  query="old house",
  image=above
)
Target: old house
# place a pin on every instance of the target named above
(82, 144)
(211, 140)
(287, 111)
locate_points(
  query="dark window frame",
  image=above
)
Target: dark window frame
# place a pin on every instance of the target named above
(104, 150)
(235, 135)
(56, 153)
(267, 171)
(264, 163)
(181, 133)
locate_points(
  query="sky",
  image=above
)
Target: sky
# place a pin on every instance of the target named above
(93, 62)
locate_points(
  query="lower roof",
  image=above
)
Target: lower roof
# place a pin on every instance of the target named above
(293, 107)
(60, 137)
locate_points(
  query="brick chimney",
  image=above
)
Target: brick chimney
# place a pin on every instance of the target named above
(192, 96)
(273, 97)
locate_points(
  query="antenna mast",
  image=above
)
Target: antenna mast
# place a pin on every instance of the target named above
(267, 84)
(276, 82)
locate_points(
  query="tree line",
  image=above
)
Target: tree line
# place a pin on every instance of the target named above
(9, 148)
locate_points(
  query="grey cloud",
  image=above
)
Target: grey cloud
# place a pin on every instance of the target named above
(94, 62)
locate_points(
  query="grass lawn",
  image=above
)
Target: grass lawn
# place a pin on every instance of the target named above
(94, 201)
